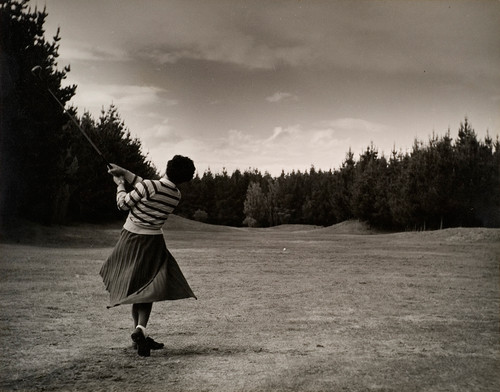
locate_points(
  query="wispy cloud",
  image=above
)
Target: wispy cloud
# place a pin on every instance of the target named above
(160, 134)
(271, 153)
(72, 51)
(128, 98)
(232, 48)
(280, 134)
(354, 125)
(281, 96)
(293, 147)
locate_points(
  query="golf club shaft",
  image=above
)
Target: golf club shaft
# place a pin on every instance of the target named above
(36, 72)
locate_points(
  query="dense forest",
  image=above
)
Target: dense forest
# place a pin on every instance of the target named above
(441, 183)
(50, 174)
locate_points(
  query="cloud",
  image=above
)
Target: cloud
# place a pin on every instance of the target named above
(258, 37)
(140, 107)
(281, 96)
(159, 134)
(324, 138)
(293, 147)
(231, 48)
(283, 148)
(350, 35)
(72, 51)
(281, 134)
(354, 125)
(128, 98)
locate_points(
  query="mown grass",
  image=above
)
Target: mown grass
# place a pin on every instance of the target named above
(341, 309)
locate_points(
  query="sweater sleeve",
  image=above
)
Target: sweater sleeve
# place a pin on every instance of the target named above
(125, 201)
(132, 178)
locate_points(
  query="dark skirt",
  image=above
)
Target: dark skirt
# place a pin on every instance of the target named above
(141, 270)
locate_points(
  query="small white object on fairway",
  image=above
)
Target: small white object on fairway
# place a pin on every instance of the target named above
(284, 249)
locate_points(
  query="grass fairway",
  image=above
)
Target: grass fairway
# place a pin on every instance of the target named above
(341, 309)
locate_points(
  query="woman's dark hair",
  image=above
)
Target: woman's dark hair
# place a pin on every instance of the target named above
(180, 169)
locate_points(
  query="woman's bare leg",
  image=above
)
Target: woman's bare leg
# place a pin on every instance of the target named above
(135, 315)
(141, 313)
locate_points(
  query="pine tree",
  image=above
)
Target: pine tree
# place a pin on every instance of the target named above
(254, 206)
(397, 190)
(93, 197)
(342, 183)
(34, 140)
(364, 187)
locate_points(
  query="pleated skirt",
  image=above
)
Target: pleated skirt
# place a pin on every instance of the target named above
(141, 270)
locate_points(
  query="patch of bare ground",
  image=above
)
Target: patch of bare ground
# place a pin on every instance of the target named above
(283, 309)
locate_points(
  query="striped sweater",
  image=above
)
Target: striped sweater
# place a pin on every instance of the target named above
(150, 202)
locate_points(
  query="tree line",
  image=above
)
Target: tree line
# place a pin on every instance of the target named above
(441, 183)
(50, 174)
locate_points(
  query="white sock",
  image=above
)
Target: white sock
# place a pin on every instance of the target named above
(143, 329)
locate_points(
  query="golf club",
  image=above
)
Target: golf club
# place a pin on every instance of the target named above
(37, 72)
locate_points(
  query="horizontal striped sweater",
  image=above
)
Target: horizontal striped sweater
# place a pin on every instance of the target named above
(150, 203)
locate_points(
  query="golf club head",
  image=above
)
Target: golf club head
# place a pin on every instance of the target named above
(37, 71)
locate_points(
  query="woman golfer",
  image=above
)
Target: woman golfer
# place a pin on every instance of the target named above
(141, 270)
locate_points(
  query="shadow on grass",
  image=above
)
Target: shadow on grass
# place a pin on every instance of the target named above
(116, 368)
(207, 351)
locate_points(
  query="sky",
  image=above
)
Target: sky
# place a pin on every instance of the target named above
(285, 84)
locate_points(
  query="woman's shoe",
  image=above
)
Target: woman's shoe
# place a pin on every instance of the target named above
(153, 345)
(143, 348)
